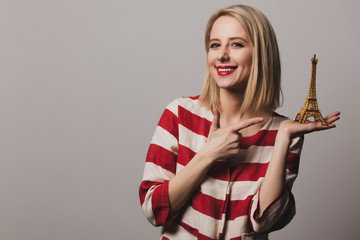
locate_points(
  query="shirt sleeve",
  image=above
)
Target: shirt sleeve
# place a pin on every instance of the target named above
(160, 167)
(280, 212)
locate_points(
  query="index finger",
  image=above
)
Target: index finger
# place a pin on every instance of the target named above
(247, 123)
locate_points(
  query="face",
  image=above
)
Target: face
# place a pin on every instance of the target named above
(230, 54)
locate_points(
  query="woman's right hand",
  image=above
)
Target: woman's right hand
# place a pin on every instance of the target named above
(224, 143)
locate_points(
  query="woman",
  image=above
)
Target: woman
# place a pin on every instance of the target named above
(221, 165)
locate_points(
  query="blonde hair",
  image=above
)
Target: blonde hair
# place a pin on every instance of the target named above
(263, 88)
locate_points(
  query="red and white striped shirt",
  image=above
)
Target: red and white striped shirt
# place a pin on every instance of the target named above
(225, 203)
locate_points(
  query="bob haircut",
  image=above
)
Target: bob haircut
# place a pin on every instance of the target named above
(263, 88)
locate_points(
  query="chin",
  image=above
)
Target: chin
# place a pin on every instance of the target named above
(227, 83)
(229, 88)
(239, 87)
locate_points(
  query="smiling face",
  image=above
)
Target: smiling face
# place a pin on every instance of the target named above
(229, 57)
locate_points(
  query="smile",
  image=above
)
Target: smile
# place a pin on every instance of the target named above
(225, 70)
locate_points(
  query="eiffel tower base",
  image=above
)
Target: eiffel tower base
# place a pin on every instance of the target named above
(304, 114)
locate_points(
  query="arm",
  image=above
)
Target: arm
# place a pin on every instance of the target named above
(163, 192)
(275, 178)
(160, 167)
(274, 183)
(222, 143)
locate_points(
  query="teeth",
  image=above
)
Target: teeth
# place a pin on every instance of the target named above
(225, 69)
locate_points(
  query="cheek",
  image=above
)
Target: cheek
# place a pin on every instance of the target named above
(248, 58)
(210, 65)
(244, 58)
(210, 59)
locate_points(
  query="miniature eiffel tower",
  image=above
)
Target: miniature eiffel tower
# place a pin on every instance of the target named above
(310, 108)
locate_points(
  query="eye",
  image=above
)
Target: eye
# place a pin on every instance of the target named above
(237, 44)
(214, 45)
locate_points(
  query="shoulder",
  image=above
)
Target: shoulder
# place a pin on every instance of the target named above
(297, 142)
(184, 101)
(189, 104)
(277, 119)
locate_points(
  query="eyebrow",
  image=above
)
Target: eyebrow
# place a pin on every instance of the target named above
(232, 38)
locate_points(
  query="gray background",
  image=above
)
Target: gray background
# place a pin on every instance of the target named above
(83, 84)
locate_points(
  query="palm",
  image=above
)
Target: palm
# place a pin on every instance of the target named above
(295, 129)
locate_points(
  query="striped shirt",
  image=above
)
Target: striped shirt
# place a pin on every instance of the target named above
(225, 203)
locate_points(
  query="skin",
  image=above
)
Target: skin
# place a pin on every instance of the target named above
(230, 46)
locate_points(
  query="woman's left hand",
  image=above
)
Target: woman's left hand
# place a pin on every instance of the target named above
(294, 129)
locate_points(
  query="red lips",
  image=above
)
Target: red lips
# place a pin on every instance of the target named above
(225, 70)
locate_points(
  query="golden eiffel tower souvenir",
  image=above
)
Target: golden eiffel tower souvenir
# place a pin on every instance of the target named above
(310, 108)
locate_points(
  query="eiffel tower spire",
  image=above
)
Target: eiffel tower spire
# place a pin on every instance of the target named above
(312, 87)
(310, 108)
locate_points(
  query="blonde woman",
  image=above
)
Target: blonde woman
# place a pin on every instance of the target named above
(221, 165)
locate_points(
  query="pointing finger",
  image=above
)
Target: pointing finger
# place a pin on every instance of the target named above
(247, 123)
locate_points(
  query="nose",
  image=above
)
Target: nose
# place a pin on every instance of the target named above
(223, 55)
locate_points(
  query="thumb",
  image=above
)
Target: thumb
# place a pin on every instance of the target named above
(216, 121)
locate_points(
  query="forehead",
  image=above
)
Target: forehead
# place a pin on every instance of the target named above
(227, 27)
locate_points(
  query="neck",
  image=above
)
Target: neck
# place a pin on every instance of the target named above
(231, 103)
(231, 109)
